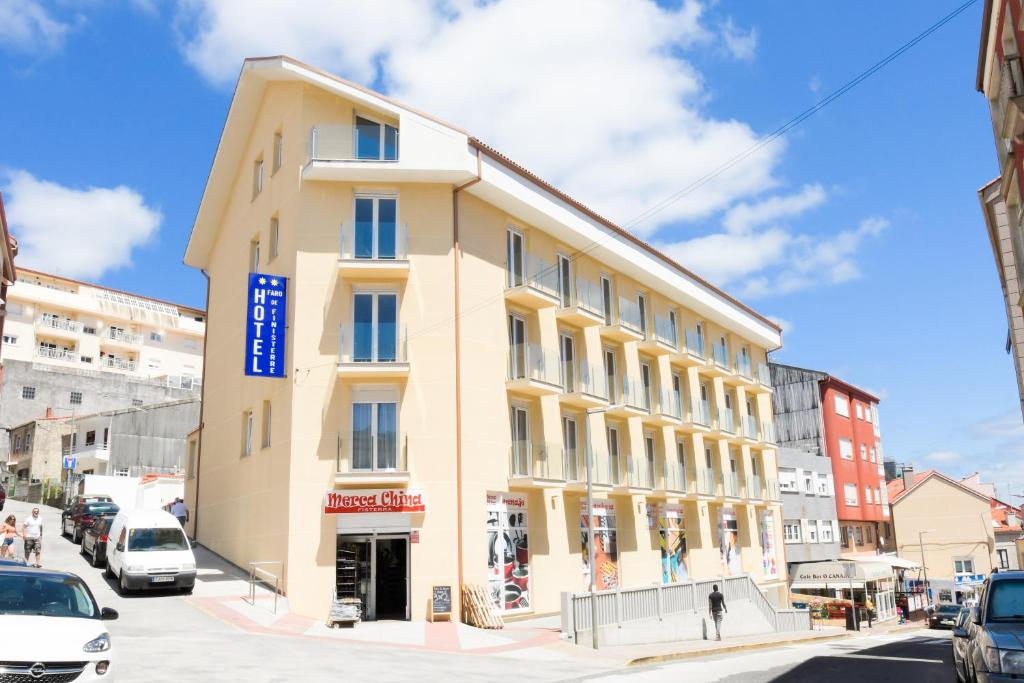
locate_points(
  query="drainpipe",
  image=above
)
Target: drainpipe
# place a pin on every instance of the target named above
(202, 404)
(458, 365)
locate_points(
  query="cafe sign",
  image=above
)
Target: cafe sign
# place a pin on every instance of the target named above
(366, 501)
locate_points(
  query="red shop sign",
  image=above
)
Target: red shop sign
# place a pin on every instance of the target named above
(364, 501)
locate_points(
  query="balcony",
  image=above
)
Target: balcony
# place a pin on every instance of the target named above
(534, 465)
(381, 253)
(768, 432)
(639, 476)
(669, 411)
(754, 491)
(628, 326)
(706, 483)
(117, 337)
(743, 372)
(664, 340)
(533, 370)
(372, 352)
(749, 426)
(584, 385)
(731, 485)
(365, 458)
(92, 456)
(633, 400)
(700, 416)
(122, 364)
(582, 306)
(717, 365)
(59, 327)
(65, 355)
(1011, 98)
(772, 491)
(726, 422)
(762, 382)
(692, 352)
(533, 285)
(673, 479)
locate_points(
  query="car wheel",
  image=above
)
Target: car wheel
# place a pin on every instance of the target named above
(121, 584)
(107, 572)
(95, 557)
(81, 549)
(76, 535)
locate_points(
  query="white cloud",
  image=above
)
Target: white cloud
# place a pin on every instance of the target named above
(944, 457)
(744, 216)
(1008, 426)
(26, 26)
(596, 97)
(814, 85)
(73, 232)
(741, 44)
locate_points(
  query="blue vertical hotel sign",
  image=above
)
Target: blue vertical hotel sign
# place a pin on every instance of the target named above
(264, 328)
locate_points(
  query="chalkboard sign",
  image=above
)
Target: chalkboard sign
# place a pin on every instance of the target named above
(441, 600)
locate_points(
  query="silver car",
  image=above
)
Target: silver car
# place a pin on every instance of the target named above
(994, 633)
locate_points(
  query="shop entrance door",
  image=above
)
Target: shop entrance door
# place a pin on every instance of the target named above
(375, 569)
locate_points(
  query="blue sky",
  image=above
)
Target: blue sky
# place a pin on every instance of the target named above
(862, 231)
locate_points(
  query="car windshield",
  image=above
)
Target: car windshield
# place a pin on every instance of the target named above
(947, 610)
(1006, 601)
(52, 596)
(157, 539)
(100, 509)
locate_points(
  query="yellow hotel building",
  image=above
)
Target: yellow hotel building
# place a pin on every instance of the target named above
(459, 334)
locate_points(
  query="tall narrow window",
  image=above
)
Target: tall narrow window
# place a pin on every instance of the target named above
(254, 256)
(568, 349)
(275, 237)
(613, 455)
(673, 329)
(610, 375)
(642, 305)
(278, 151)
(520, 440)
(247, 427)
(649, 452)
(681, 463)
(265, 431)
(677, 396)
(517, 347)
(564, 280)
(700, 338)
(375, 436)
(375, 335)
(257, 177)
(645, 384)
(606, 299)
(376, 234)
(376, 141)
(515, 258)
(569, 439)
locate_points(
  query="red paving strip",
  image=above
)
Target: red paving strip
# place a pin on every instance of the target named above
(439, 637)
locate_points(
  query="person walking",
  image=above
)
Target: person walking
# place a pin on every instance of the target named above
(180, 510)
(32, 534)
(716, 604)
(8, 530)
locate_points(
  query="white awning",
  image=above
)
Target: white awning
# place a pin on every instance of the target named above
(891, 560)
(839, 574)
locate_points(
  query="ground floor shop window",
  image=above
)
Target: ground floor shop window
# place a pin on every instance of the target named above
(728, 542)
(672, 537)
(508, 551)
(606, 548)
(374, 569)
(769, 564)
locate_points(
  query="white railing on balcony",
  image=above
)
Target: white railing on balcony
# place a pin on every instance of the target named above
(674, 475)
(731, 484)
(726, 421)
(337, 142)
(56, 354)
(537, 275)
(366, 452)
(64, 324)
(369, 344)
(124, 337)
(768, 431)
(534, 362)
(574, 467)
(588, 297)
(720, 355)
(754, 487)
(118, 363)
(635, 394)
(695, 343)
(772, 489)
(750, 427)
(669, 404)
(629, 315)
(182, 381)
(665, 332)
(699, 413)
(382, 244)
(764, 375)
(706, 482)
(743, 366)
(590, 381)
(614, 474)
(639, 472)
(527, 459)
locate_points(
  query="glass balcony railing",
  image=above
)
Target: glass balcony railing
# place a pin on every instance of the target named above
(764, 375)
(670, 405)
(772, 489)
(534, 362)
(695, 343)
(367, 343)
(587, 297)
(665, 332)
(699, 413)
(726, 421)
(750, 427)
(674, 476)
(590, 381)
(720, 355)
(731, 485)
(535, 274)
(640, 472)
(768, 431)
(754, 487)
(635, 394)
(629, 315)
(528, 459)
(743, 366)
(364, 451)
(574, 467)
(706, 482)
(382, 243)
(363, 140)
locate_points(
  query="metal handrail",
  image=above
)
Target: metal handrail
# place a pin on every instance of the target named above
(254, 568)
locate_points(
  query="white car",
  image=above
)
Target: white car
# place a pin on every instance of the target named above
(52, 628)
(147, 549)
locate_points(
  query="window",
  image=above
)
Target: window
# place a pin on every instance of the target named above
(515, 257)
(850, 492)
(375, 338)
(375, 436)
(878, 496)
(154, 363)
(869, 534)
(376, 234)
(11, 339)
(825, 531)
(121, 472)
(136, 402)
(375, 140)
(278, 152)
(859, 411)
(17, 443)
(89, 330)
(567, 347)
(673, 324)
(520, 422)
(247, 433)
(606, 299)
(791, 532)
(254, 256)
(275, 236)
(28, 441)
(641, 302)
(564, 281)
(76, 398)
(257, 177)
(846, 449)
(28, 393)
(809, 483)
(822, 484)
(867, 413)
(1004, 558)
(863, 452)
(191, 344)
(265, 427)
(610, 375)
(645, 383)
(90, 437)
(867, 495)
(812, 532)
(787, 480)
(842, 405)
(844, 537)
(613, 454)
(156, 336)
(872, 452)
(570, 437)
(86, 359)
(858, 534)
(106, 436)
(963, 565)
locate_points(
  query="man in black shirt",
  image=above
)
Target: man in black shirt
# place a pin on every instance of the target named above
(716, 604)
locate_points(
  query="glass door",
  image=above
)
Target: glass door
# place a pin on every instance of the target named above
(354, 570)
(374, 436)
(520, 441)
(517, 346)
(571, 461)
(564, 281)
(375, 339)
(391, 580)
(515, 249)
(568, 344)
(606, 299)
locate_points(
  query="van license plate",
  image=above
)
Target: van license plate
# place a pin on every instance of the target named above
(161, 579)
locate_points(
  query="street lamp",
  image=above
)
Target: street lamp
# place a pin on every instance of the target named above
(924, 565)
(590, 520)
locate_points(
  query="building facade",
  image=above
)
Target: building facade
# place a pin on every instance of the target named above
(459, 336)
(8, 273)
(947, 526)
(1006, 525)
(823, 415)
(810, 527)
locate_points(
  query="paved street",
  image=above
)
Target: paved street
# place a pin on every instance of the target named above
(211, 636)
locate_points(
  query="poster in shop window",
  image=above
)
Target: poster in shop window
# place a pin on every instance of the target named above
(728, 542)
(508, 551)
(606, 548)
(768, 563)
(672, 533)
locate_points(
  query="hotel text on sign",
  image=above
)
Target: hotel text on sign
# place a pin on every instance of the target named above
(374, 500)
(264, 329)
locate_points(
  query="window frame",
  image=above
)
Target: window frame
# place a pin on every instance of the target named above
(846, 495)
(247, 433)
(257, 177)
(843, 440)
(382, 137)
(266, 424)
(376, 198)
(277, 155)
(28, 393)
(837, 400)
(275, 237)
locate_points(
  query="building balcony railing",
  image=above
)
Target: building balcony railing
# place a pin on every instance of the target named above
(663, 339)
(764, 375)
(59, 324)
(695, 343)
(112, 363)
(583, 383)
(772, 490)
(123, 337)
(768, 431)
(375, 252)
(639, 473)
(731, 485)
(743, 367)
(754, 490)
(726, 421)
(534, 369)
(56, 354)
(749, 423)
(720, 356)
(349, 142)
(706, 482)
(533, 460)
(182, 381)
(1011, 88)
(670, 405)
(635, 395)
(582, 305)
(674, 477)
(629, 315)
(700, 413)
(533, 283)
(380, 351)
(380, 458)
(574, 466)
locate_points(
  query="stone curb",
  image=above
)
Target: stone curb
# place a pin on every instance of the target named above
(655, 659)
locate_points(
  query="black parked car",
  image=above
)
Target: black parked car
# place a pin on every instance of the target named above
(944, 617)
(995, 632)
(94, 540)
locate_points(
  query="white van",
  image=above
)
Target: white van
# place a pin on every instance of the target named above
(148, 549)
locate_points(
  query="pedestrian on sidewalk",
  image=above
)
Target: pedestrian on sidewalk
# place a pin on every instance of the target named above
(180, 510)
(32, 533)
(8, 530)
(716, 604)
